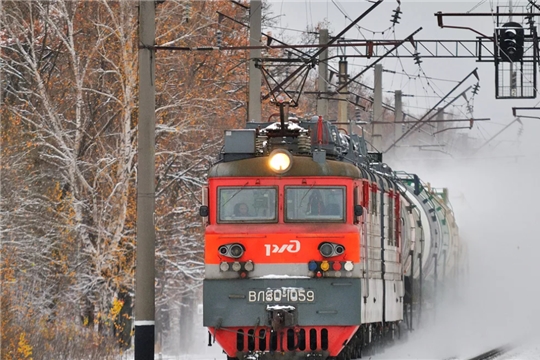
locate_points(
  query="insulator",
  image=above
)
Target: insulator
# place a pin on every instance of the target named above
(395, 18)
(219, 38)
(530, 21)
(260, 143)
(417, 59)
(304, 143)
(358, 114)
(187, 11)
(475, 89)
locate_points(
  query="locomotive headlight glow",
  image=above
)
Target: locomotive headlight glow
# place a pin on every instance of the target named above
(280, 160)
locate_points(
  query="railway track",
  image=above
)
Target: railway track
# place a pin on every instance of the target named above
(488, 355)
(492, 354)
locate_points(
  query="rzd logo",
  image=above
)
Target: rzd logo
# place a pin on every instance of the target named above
(293, 247)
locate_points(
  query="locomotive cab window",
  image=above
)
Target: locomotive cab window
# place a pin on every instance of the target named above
(314, 203)
(247, 204)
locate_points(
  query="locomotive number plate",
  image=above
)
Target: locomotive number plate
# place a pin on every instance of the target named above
(283, 295)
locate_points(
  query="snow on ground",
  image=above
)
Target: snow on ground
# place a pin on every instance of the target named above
(416, 348)
(530, 351)
(526, 352)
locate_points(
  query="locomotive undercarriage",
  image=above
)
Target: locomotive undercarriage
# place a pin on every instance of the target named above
(286, 343)
(369, 339)
(294, 343)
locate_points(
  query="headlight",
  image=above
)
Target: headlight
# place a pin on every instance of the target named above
(280, 160)
(328, 249)
(231, 250)
(236, 250)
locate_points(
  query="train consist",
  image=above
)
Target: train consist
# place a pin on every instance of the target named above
(314, 248)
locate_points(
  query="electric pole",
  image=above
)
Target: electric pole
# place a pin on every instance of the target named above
(513, 85)
(342, 94)
(322, 101)
(146, 236)
(398, 117)
(376, 132)
(255, 77)
(440, 123)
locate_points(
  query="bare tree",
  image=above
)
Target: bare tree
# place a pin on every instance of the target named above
(68, 163)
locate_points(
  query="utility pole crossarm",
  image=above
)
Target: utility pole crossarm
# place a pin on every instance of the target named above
(426, 117)
(480, 49)
(515, 109)
(441, 14)
(321, 49)
(408, 38)
(498, 133)
(431, 121)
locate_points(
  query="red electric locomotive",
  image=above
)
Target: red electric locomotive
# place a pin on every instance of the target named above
(303, 243)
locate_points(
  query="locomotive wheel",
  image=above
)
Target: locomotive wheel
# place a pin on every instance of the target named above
(344, 355)
(357, 352)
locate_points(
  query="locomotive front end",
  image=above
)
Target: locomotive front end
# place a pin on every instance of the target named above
(302, 245)
(282, 253)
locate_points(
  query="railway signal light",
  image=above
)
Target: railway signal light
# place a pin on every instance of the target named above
(511, 39)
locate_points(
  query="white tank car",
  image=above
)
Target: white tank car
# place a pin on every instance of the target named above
(433, 256)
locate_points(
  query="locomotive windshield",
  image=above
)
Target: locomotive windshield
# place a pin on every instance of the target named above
(315, 203)
(247, 204)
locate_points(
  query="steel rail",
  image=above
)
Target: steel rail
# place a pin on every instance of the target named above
(491, 354)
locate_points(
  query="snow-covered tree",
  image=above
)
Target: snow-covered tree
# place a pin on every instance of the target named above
(68, 166)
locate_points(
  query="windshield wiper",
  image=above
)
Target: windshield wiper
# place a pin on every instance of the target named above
(307, 192)
(236, 193)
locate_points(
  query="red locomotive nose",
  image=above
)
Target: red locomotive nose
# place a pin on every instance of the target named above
(297, 341)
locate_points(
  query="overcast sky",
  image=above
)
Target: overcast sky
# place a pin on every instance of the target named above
(494, 197)
(297, 14)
